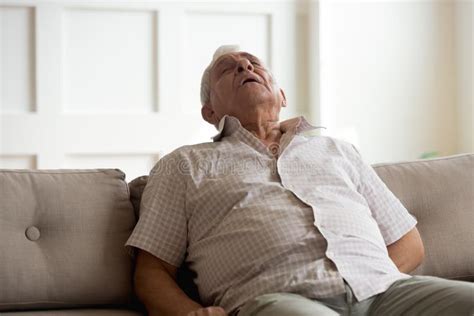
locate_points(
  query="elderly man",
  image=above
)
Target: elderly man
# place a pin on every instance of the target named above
(275, 222)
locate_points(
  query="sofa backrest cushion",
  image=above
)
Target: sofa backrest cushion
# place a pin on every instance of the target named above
(62, 235)
(440, 194)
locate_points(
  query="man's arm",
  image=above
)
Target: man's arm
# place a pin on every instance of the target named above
(408, 252)
(156, 287)
(396, 225)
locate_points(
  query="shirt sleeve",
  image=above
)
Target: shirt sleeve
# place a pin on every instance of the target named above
(162, 227)
(392, 217)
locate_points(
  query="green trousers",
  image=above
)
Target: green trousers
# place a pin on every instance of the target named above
(416, 296)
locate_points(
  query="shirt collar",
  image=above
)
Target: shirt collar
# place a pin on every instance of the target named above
(229, 124)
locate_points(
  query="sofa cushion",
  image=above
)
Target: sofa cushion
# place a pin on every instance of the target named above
(61, 238)
(439, 193)
(136, 187)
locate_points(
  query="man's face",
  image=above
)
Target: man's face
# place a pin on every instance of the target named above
(240, 86)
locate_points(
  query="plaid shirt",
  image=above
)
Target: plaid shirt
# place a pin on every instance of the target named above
(298, 217)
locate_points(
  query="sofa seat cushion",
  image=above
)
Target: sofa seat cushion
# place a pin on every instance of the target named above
(62, 235)
(440, 194)
(76, 312)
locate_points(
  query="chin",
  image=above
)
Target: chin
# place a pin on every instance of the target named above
(257, 100)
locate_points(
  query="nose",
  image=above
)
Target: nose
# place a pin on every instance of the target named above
(244, 64)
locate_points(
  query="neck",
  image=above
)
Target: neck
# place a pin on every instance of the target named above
(265, 129)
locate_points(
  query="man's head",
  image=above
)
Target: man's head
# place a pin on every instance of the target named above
(237, 83)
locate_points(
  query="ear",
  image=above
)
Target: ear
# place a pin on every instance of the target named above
(208, 114)
(283, 103)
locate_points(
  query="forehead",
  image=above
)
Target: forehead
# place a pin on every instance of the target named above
(234, 56)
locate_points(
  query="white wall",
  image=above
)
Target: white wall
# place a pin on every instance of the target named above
(103, 83)
(115, 84)
(464, 14)
(388, 81)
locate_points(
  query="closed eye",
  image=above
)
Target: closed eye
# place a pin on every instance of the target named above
(225, 70)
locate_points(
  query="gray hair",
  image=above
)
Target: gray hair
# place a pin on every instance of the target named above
(206, 76)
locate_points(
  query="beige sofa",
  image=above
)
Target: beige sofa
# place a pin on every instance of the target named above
(62, 233)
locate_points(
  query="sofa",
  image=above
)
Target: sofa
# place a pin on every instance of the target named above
(62, 233)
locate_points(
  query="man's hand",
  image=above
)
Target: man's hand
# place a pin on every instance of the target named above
(208, 311)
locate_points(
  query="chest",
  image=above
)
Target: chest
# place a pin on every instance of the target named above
(241, 174)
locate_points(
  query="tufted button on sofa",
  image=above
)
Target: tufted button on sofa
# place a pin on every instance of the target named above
(32, 233)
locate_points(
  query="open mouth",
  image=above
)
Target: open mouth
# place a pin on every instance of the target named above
(249, 80)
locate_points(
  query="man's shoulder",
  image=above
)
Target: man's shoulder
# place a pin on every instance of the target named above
(194, 149)
(330, 141)
(185, 156)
